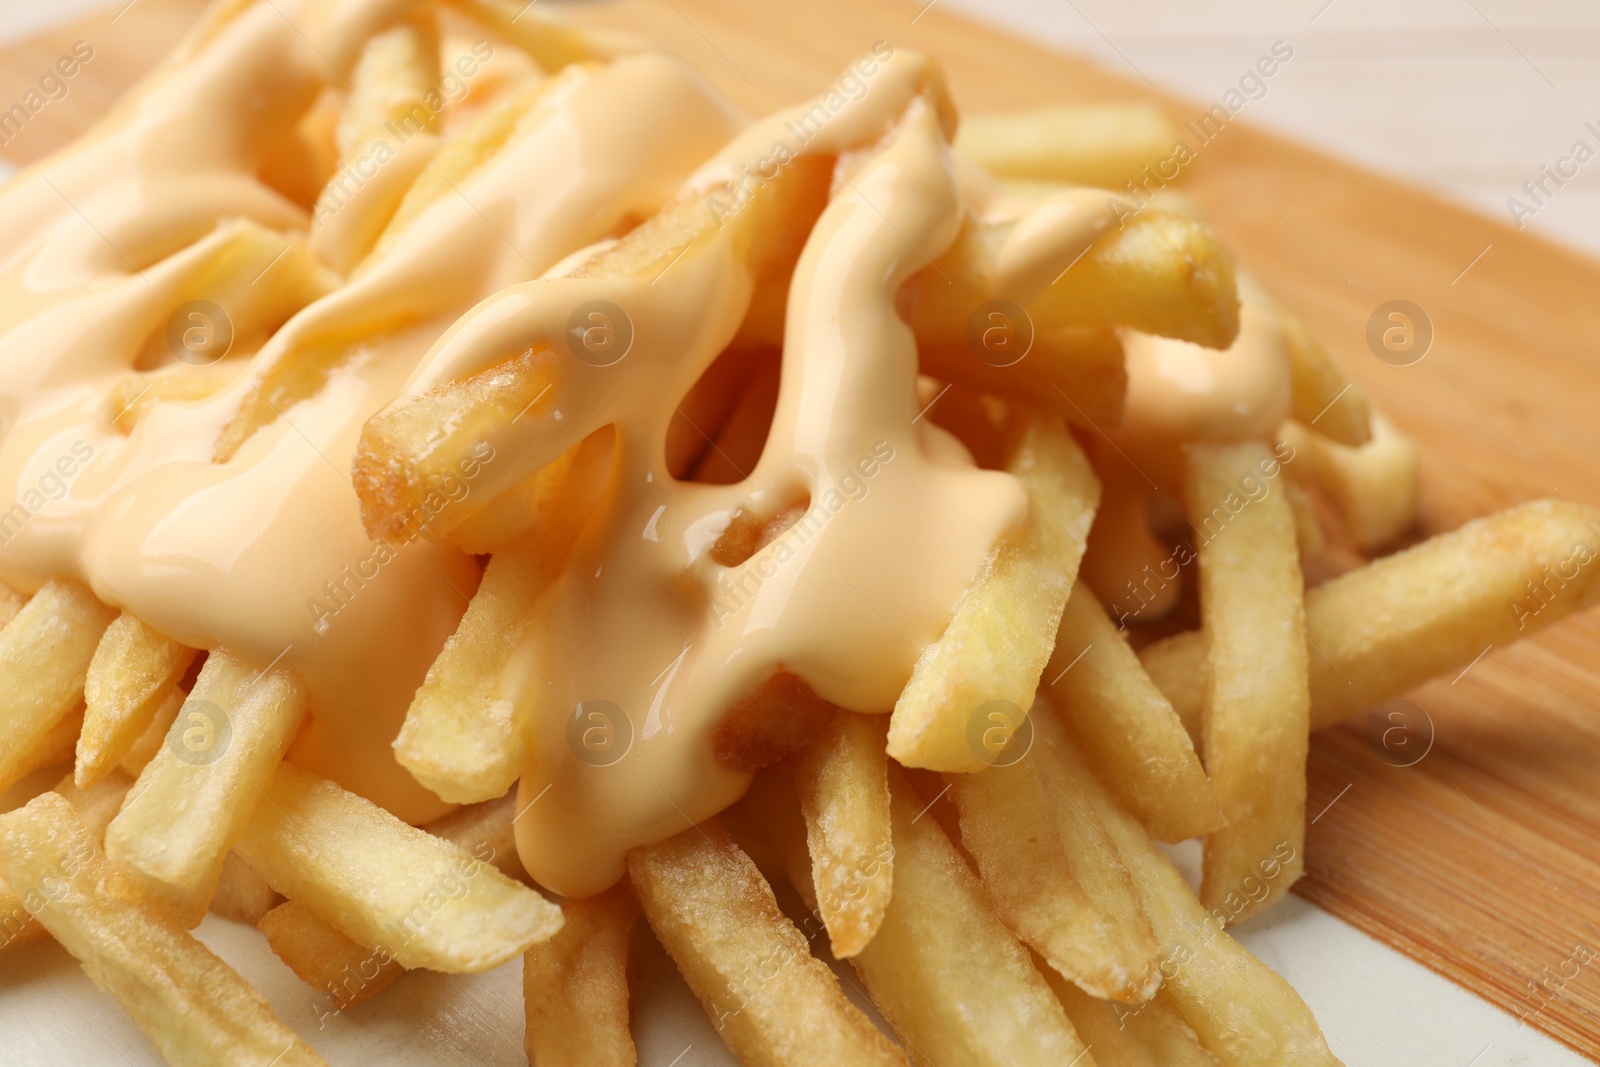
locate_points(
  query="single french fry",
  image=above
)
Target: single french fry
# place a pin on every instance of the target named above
(466, 735)
(1157, 273)
(133, 397)
(989, 660)
(1123, 721)
(1256, 711)
(197, 794)
(44, 657)
(134, 669)
(842, 779)
(1381, 630)
(194, 1008)
(325, 959)
(1242, 1012)
(386, 118)
(1374, 486)
(144, 749)
(398, 68)
(95, 805)
(1150, 1035)
(383, 883)
(575, 986)
(1056, 883)
(1102, 144)
(242, 894)
(771, 1001)
(486, 831)
(1323, 396)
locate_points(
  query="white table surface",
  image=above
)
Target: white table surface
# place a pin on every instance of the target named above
(1466, 97)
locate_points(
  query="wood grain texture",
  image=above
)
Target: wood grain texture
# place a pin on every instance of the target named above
(1481, 860)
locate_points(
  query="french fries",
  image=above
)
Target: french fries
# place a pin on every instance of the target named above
(942, 968)
(781, 313)
(133, 671)
(575, 985)
(194, 1008)
(45, 652)
(1381, 630)
(1255, 712)
(717, 918)
(383, 883)
(985, 669)
(842, 780)
(1119, 716)
(198, 792)
(1243, 1013)
(1085, 144)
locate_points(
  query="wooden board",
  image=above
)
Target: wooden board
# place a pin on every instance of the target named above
(1482, 860)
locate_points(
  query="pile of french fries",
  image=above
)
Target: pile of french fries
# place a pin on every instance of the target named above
(993, 883)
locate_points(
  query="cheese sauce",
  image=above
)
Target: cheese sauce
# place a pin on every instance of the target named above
(264, 553)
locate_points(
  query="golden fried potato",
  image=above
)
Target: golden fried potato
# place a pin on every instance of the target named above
(985, 668)
(575, 986)
(1243, 1013)
(1323, 396)
(842, 779)
(771, 1001)
(1119, 716)
(134, 669)
(1256, 711)
(385, 884)
(198, 791)
(1381, 630)
(325, 959)
(1055, 880)
(194, 1008)
(44, 658)
(1080, 144)
(467, 733)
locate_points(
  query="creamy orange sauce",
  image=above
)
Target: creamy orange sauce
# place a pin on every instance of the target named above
(264, 553)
